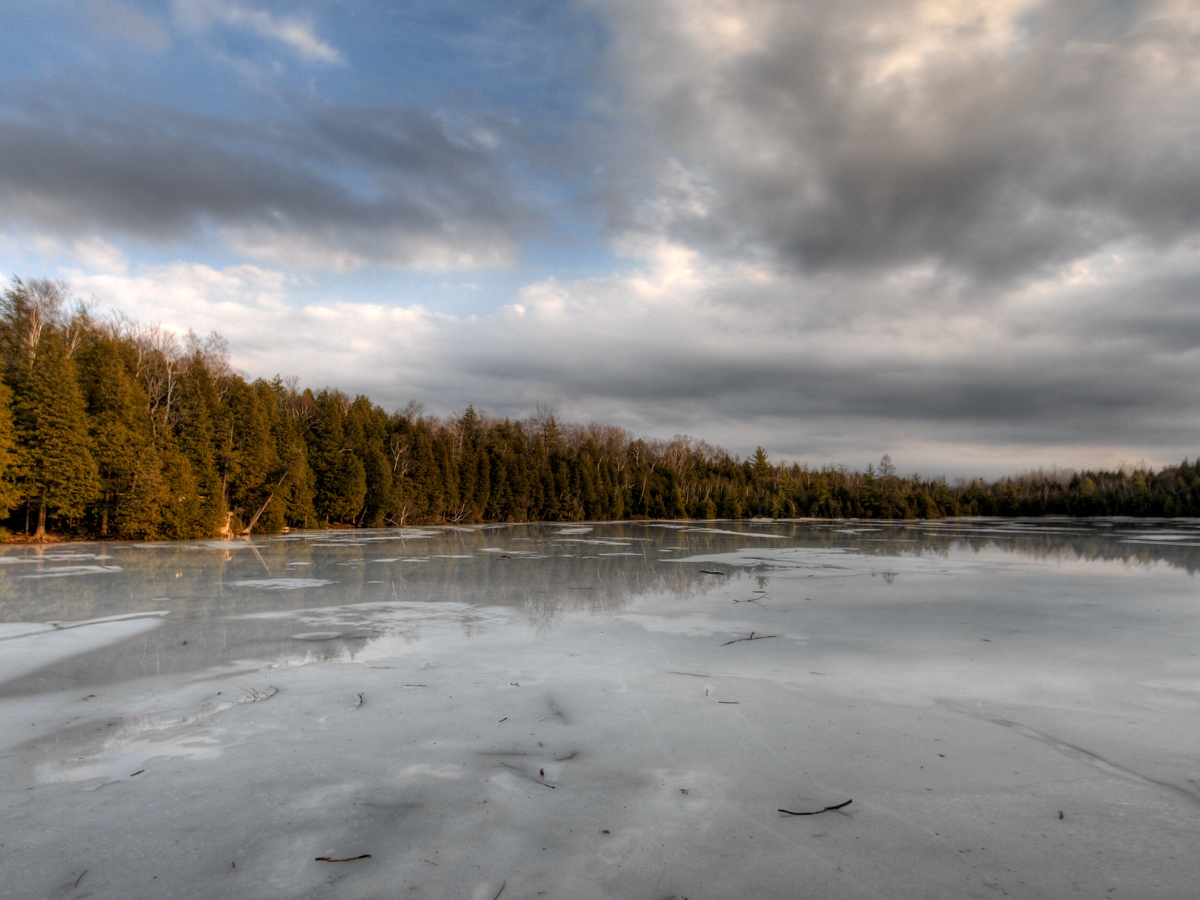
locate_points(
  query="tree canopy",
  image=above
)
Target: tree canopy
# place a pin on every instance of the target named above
(114, 428)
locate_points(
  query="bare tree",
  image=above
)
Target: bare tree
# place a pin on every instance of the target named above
(30, 308)
(414, 411)
(160, 363)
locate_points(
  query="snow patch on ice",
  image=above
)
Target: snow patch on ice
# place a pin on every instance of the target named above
(280, 584)
(39, 645)
(70, 571)
(753, 534)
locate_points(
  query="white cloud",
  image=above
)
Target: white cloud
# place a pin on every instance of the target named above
(343, 247)
(742, 355)
(992, 138)
(964, 234)
(295, 32)
(98, 254)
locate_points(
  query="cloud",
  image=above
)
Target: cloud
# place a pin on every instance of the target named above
(295, 32)
(967, 234)
(321, 189)
(688, 345)
(991, 138)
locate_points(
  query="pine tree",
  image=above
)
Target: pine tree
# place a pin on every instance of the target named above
(201, 500)
(131, 480)
(341, 479)
(57, 472)
(8, 492)
(245, 454)
(366, 431)
(286, 497)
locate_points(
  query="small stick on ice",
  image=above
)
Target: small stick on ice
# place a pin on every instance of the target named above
(761, 637)
(503, 885)
(342, 859)
(85, 871)
(817, 812)
(358, 701)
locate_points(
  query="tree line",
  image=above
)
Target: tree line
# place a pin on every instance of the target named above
(110, 427)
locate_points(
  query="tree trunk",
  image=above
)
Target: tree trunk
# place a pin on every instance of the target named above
(40, 534)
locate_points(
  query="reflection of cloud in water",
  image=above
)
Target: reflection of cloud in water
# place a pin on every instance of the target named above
(72, 571)
(280, 584)
(755, 534)
(439, 718)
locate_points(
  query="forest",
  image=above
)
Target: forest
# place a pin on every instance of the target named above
(114, 428)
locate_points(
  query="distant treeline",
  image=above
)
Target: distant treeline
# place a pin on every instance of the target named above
(111, 427)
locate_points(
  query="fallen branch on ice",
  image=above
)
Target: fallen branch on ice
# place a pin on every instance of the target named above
(817, 812)
(761, 637)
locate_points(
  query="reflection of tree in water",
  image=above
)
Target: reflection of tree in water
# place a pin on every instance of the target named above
(614, 592)
(1043, 540)
(534, 568)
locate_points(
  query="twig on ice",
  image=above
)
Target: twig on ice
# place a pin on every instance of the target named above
(817, 812)
(761, 637)
(343, 859)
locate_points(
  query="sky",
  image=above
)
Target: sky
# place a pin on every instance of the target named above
(966, 234)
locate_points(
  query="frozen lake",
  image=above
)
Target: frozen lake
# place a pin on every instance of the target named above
(607, 711)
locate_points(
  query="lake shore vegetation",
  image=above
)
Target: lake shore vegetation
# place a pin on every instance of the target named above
(113, 428)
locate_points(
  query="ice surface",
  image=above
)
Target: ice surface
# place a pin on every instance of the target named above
(280, 584)
(1012, 707)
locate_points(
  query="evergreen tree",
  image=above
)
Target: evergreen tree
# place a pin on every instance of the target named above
(202, 501)
(131, 480)
(245, 453)
(57, 473)
(286, 498)
(8, 454)
(366, 435)
(341, 479)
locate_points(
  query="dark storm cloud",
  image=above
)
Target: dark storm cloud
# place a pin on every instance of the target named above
(848, 226)
(995, 138)
(1100, 365)
(1042, 400)
(339, 187)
